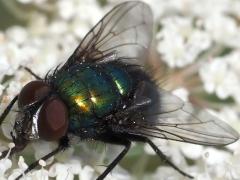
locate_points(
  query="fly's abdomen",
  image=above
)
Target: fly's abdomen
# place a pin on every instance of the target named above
(92, 91)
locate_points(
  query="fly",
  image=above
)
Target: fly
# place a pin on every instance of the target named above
(103, 93)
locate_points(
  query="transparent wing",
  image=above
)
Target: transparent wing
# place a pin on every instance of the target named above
(151, 99)
(176, 120)
(123, 33)
(168, 103)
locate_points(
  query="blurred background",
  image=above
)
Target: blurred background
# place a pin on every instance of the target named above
(195, 54)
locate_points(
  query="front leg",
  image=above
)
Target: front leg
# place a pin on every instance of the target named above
(31, 72)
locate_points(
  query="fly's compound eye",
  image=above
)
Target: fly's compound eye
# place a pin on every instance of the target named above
(53, 120)
(32, 92)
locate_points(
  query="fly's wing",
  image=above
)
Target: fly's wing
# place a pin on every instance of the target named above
(176, 120)
(124, 33)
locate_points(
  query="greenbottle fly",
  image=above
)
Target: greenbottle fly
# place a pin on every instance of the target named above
(102, 92)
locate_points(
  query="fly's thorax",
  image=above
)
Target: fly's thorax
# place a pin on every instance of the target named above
(92, 91)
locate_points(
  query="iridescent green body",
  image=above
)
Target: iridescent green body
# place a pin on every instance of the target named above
(92, 91)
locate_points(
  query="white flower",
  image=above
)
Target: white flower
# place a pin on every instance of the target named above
(19, 171)
(66, 9)
(233, 61)
(223, 29)
(162, 7)
(179, 42)
(77, 13)
(61, 172)
(38, 25)
(192, 151)
(230, 116)
(219, 164)
(80, 28)
(224, 169)
(194, 8)
(17, 34)
(47, 58)
(58, 28)
(213, 156)
(21, 163)
(41, 174)
(87, 173)
(14, 88)
(5, 164)
(205, 8)
(4, 65)
(218, 78)
(9, 58)
(89, 7)
(65, 171)
(203, 176)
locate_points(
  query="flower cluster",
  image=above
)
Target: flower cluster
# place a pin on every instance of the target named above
(196, 41)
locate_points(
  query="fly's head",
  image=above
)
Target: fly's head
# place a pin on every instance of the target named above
(42, 115)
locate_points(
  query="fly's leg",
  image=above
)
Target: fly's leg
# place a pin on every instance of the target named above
(8, 109)
(31, 72)
(63, 144)
(123, 142)
(164, 157)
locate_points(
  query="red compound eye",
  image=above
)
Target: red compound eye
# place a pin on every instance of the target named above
(31, 92)
(53, 120)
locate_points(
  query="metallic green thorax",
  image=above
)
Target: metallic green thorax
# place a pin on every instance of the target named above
(92, 92)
